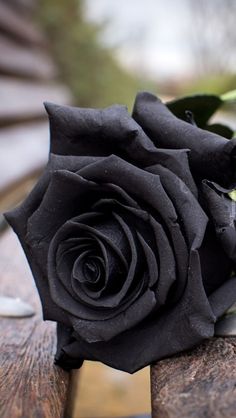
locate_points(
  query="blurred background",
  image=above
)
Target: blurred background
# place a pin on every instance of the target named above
(106, 50)
(93, 54)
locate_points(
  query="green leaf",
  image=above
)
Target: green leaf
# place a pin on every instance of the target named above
(231, 310)
(203, 106)
(220, 129)
(230, 96)
(232, 195)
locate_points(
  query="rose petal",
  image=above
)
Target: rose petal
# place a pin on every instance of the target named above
(58, 204)
(94, 331)
(150, 229)
(70, 162)
(222, 211)
(151, 261)
(167, 264)
(211, 156)
(191, 216)
(18, 218)
(177, 161)
(71, 228)
(97, 132)
(65, 259)
(91, 276)
(64, 338)
(216, 265)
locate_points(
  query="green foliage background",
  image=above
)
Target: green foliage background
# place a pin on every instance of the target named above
(88, 68)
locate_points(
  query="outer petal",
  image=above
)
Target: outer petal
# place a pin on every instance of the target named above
(191, 215)
(215, 264)
(97, 132)
(222, 211)
(18, 219)
(64, 338)
(211, 156)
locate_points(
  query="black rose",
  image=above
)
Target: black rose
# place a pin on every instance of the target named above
(129, 233)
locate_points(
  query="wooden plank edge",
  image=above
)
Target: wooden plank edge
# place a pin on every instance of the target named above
(197, 383)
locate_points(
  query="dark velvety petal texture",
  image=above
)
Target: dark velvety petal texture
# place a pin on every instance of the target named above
(96, 132)
(211, 156)
(18, 219)
(222, 210)
(130, 231)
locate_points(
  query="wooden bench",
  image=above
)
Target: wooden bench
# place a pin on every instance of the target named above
(200, 383)
(30, 385)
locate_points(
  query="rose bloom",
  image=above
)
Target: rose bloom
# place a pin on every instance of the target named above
(130, 233)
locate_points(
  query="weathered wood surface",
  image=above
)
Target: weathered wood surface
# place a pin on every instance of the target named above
(197, 384)
(30, 385)
(22, 61)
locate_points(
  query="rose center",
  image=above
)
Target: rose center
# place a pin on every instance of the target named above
(88, 268)
(91, 270)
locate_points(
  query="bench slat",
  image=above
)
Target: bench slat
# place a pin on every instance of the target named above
(198, 383)
(30, 385)
(18, 27)
(23, 100)
(17, 60)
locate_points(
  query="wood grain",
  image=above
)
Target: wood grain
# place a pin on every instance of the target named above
(196, 384)
(30, 385)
